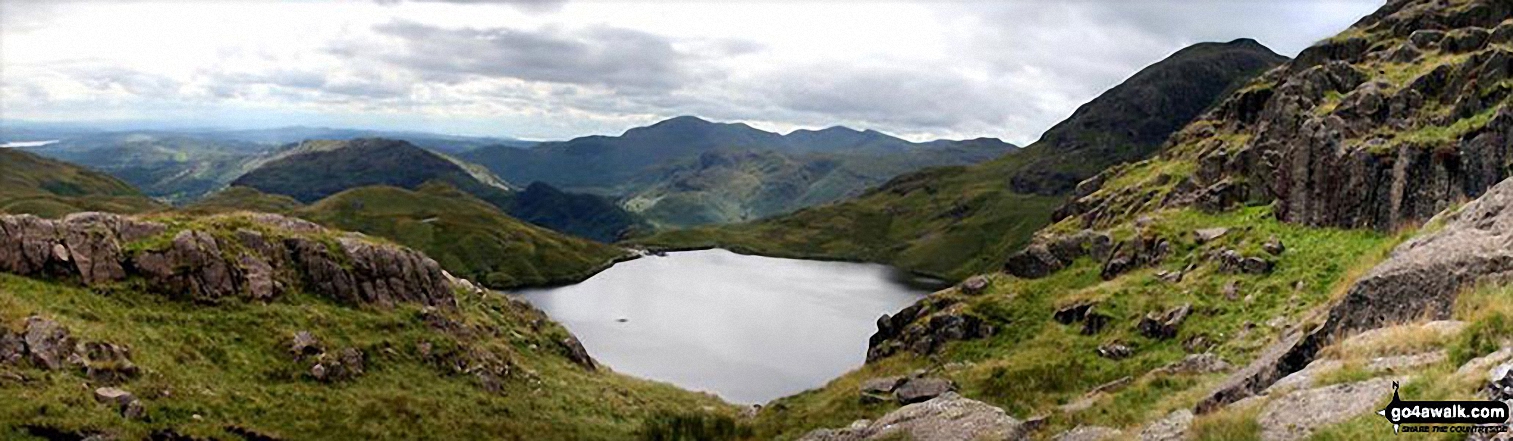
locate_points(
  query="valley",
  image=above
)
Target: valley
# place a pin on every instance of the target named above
(1228, 244)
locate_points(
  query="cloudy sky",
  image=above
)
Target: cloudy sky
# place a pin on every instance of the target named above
(549, 69)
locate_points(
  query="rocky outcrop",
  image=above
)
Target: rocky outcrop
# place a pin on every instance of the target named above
(1048, 255)
(1421, 278)
(949, 417)
(48, 345)
(1383, 127)
(1164, 325)
(925, 327)
(1171, 428)
(264, 257)
(1297, 415)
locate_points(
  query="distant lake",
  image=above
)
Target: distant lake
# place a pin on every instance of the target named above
(27, 143)
(747, 328)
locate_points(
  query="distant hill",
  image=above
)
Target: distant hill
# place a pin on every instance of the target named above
(687, 171)
(176, 167)
(958, 221)
(469, 237)
(36, 185)
(434, 141)
(313, 170)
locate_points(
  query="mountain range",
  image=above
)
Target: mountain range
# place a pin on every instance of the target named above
(957, 221)
(687, 171)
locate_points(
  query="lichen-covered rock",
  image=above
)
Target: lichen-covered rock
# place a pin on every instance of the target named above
(924, 328)
(105, 362)
(1171, 428)
(48, 344)
(209, 266)
(1162, 326)
(917, 389)
(974, 285)
(574, 351)
(949, 417)
(1298, 414)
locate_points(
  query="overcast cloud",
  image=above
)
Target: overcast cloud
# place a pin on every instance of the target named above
(549, 69)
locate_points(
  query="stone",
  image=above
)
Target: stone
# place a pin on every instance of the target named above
(1115, 351)
(305, 344)
(1297, 415)
(12, 347)
(920, 389)
(124, 402)
(1204, 363)
(1231, 261)
(1171, 428)
(1033, 262)
(1207, 235)
(1094, 322)
(1162, 326)
(1232, 290)
(949, 417)
(200, 266)
(48, 343)
(1073, 313)
(974, 285)
(105, 362)
(882, 385)
(925, 327)
(1089, 433)
(1274, 246)
(575, 352)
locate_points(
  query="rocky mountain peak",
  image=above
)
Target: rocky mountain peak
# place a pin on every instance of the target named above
(1381, 126)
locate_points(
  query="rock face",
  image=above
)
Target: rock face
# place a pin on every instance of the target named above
(1422, 278)
(949, 417)
(1337, 138)
(257, 262)
(1172, 428)
(924, 328)
(1048, 255)
(1296, 415)
(49, 345)
(1162, 326)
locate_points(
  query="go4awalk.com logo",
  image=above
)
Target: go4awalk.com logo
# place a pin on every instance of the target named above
(1445, 416)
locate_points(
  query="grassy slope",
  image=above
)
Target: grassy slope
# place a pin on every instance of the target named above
(1035, 364)
(45, 187)
(468, 237)
(950, 222)
(207, 367)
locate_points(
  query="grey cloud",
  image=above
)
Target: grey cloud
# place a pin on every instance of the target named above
(535, 6)
(600, 56)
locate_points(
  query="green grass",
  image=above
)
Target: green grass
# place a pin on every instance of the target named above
(961, 223)
(228, 364)
(468, 237)
(1034, 364)
(31, 184)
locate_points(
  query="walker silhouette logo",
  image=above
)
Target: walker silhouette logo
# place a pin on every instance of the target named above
(1429, 413)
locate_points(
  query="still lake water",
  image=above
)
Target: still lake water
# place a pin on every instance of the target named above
(747, 328)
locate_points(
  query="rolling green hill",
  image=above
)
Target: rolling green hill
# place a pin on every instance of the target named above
(957, 221)
(45, 187)
(175, 167)
(314, 170)
(469, 237)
